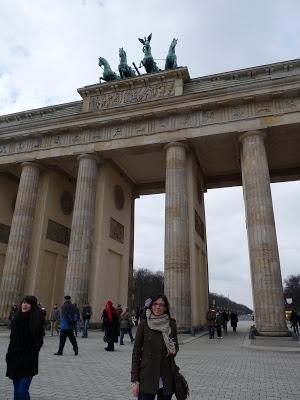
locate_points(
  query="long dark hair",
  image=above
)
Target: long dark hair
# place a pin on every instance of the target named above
(35, 315)
(166, 301)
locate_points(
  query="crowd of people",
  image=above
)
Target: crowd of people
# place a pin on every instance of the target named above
(218, 321)
(156, 334)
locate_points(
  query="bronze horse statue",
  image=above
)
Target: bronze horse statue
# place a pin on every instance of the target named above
(108, 74)
(124, 69)
(148, 61)
(171, 59)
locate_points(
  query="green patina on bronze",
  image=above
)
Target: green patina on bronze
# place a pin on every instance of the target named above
(108, 74)
(147, 62)
(124, 69)
(171, 60)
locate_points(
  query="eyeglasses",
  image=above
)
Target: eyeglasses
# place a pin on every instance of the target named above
(159, 305)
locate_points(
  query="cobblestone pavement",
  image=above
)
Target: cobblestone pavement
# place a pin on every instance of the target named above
(215, 369)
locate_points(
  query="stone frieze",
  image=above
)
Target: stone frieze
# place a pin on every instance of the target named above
(132, 96)
(154, 124)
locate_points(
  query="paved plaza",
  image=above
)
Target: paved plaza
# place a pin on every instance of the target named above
(215, 369)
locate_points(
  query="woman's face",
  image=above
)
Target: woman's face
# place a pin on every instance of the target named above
(25, 307)
(158, 307)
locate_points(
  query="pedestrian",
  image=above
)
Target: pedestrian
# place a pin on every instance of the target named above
(225, 319)
(110, 319)
(155, 347)
(68, 317)
(125, 325)
(219, 321)
(211, 322)
(294, 322)
(26, 340)
(77, 323)
(86, 316)
(12, 315)
(54, 320)
(233, 320)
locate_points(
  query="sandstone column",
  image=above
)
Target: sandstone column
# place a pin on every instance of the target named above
(262, 241)
(80, 250)
(17, 253)
(177, 271)
(131, 252)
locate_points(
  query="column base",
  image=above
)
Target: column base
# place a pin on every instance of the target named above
(282, 333)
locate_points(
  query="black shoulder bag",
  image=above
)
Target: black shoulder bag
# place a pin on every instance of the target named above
(181, 386)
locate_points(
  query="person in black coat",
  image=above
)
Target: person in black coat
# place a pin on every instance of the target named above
(233, 320)
(26, 340)
(110, 319)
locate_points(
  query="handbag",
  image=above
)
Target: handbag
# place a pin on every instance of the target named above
(181, 386)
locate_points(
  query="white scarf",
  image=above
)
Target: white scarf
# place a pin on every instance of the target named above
(161, 323)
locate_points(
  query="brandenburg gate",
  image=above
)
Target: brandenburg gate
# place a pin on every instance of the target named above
(70, 174)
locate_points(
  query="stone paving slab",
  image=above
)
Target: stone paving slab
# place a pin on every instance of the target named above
(215, 369)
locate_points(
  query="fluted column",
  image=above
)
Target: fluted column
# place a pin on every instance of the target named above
(81, 240)
(131, 252)
(262, 241)
(177, 270)
(17, 253)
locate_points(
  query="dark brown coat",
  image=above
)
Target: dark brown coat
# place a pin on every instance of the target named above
(150, 360)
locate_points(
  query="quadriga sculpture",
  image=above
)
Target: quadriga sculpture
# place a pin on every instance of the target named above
(124, 69)
(108, 74)
(171, 59)
(148, 61)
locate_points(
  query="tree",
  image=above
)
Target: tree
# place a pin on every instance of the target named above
(146, 284)
(220, 302)
(292, 290)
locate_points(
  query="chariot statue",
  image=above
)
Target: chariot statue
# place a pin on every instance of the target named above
(108, 74)
(124, 69)
(148, 61)
(171, 60)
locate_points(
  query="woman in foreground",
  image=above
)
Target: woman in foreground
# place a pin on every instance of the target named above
(26, 340)
(155, 346)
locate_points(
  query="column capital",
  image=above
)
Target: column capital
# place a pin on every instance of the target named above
(177, 144)
(31, 164)
(260, 133)
(134, 195)
(90, 156)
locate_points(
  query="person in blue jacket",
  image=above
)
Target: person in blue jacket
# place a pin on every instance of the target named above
(68, 317)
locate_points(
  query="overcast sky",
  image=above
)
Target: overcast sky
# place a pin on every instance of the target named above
(48, 49)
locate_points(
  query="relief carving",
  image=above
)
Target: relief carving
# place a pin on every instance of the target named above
(116, 231)
(208, 116)
(131, 96)
(58, 233)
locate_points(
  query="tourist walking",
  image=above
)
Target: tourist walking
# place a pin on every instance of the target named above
(26, 340)
(294, 322)
(225, 319)
(125, 323)
(233, 320)
(68, 317)
(86, 316)
(110, 320)
(54, 320)
(219, 321)
(211, 322)
(155, 347)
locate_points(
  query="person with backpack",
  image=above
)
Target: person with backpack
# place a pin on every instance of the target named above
(68, 317)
